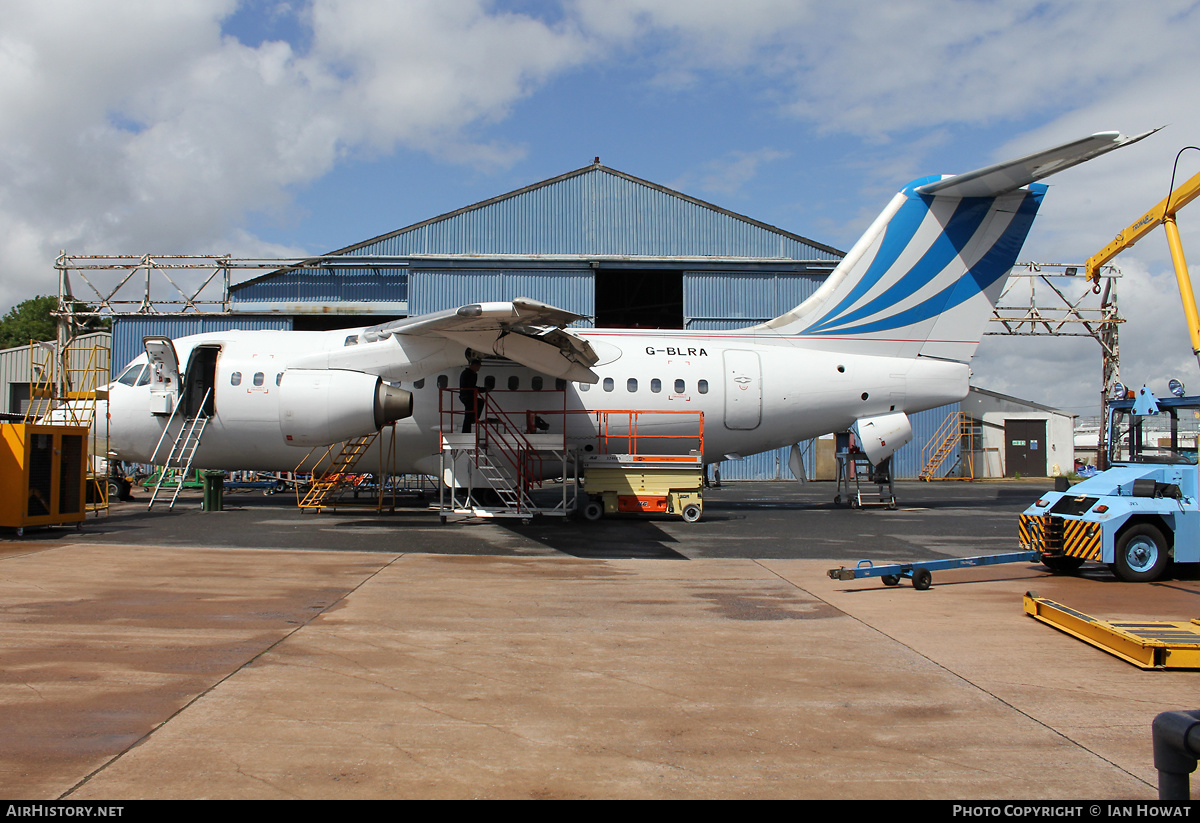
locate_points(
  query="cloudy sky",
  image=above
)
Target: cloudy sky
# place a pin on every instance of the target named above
(287, 127)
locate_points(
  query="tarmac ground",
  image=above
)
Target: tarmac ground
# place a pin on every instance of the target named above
(260, 652)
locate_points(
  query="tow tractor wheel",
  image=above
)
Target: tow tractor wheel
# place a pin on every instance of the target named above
(1141, 554)
(593, 511)
(1062, 564)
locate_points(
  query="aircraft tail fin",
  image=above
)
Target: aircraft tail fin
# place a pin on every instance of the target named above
(923, 279)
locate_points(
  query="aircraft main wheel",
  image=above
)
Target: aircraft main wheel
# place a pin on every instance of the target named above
(1141, 554)
(691, 513)
(921, 579)
(1062, 564)
(114, 489)
(593, 511)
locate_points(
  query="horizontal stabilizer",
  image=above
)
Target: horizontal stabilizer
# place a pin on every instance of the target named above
(1009, 176)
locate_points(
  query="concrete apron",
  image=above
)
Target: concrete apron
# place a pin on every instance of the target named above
(144, 672)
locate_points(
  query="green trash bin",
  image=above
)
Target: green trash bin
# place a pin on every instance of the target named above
(214, 491)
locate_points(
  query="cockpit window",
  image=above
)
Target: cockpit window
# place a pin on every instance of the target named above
(130, 376)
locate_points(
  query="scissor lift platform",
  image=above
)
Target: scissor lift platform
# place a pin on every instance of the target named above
(1147, 644)
(644, 484)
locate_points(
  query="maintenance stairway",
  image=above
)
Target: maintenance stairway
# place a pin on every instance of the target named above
(328, 486)
(957, 430)
(494, 469)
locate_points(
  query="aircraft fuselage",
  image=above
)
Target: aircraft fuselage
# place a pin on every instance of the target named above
(757, 392)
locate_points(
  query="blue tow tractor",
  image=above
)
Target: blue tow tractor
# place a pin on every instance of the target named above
(921, 573)
(1142, 514)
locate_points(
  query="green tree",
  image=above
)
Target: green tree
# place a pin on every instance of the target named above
(32, 320)
(29, 320)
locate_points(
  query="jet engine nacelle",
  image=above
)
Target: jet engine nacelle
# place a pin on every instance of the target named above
(318, 407)
(881, 435)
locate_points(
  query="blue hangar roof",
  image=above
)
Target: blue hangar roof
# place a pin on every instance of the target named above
(591, 216)
(595, 211)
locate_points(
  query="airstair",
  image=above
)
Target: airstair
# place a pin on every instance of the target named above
(494, 469)
(179, 458)
(957, 431)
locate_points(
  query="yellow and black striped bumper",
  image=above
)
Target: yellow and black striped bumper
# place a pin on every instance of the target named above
(1060, 536)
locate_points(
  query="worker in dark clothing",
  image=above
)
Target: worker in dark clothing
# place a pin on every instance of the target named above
(470, 395)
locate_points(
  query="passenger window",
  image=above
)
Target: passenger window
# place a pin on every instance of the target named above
(656, 385)
(631, 385)
(278, 378)
(536, 382)
(559, 384)
(420, 384)
(489, 382)
(235, 379)
(679, 386)
(514, 383)
(259, 378)
(442, 381)
(702, 386)
(584, 386)
(608, 384)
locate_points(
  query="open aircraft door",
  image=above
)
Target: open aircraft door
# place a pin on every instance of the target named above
(164, 374)
(743, 390)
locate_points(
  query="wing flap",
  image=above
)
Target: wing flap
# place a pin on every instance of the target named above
(525, 331)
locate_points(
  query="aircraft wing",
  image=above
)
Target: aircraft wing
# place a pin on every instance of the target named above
(526, 331)
(991, 181)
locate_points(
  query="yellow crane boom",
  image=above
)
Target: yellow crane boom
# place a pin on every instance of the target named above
(1162, 214)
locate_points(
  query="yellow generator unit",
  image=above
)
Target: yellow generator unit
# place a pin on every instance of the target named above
(43, 471)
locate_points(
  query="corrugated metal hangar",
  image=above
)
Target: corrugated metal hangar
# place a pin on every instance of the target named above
(619, 250)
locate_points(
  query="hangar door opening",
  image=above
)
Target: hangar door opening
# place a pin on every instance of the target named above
(639, 299)
(1025, 448)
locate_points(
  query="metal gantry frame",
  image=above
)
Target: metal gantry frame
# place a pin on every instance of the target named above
(1058, 300)
(1039, 299)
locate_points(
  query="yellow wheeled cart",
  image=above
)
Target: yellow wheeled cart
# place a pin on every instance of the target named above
(43, 469)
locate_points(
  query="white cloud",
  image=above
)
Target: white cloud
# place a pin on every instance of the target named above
(729, 174)
(137, 125)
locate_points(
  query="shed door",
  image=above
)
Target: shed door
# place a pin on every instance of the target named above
(1025, 448)
(743, 390)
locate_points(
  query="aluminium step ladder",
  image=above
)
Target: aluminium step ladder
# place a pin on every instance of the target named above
(183, 449)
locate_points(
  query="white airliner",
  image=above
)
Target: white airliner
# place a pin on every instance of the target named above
(890, 332)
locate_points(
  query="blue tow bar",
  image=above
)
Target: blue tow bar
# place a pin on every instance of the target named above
(921, 573)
